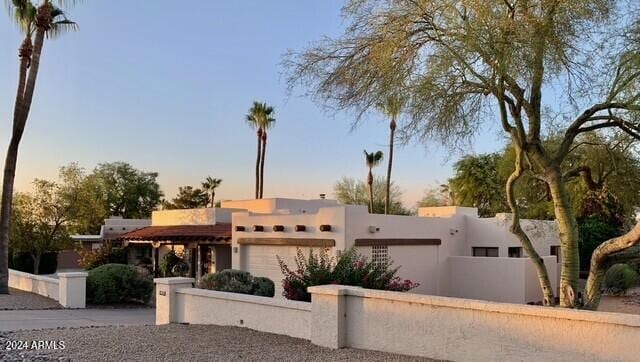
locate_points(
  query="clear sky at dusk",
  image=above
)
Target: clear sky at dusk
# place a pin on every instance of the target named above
(166, 87)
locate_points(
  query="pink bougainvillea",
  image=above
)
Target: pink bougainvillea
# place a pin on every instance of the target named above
(350, 268)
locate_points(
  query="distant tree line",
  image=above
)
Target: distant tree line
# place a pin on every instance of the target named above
(78, 202)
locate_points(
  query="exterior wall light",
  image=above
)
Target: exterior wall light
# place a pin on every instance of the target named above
(278, 228)
(258, 228)
(325, 228)
(373, 229)
(300, 228)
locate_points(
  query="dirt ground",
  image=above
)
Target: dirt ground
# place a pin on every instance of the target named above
(629, 303)
(20, 300)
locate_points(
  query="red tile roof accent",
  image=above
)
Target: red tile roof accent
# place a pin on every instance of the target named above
(180, 233)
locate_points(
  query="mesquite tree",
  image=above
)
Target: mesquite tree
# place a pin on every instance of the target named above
(530, 66)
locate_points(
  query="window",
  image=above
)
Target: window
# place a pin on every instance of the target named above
(515, 252)
(484, 251)
(555, 250)
(379, 254)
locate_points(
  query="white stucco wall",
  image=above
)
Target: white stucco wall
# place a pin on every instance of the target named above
(494, 232)
(204, 216)
(412, 324)
(69, 289)
(464, 330)
(512, 280)
(38, 284)
(266, 206)
(280, 316)
(459, 230)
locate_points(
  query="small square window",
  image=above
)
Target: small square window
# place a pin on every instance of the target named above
(485, 252)
(515, 252)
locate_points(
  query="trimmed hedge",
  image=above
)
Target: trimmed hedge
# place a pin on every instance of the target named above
(236, 281)
(118, 283)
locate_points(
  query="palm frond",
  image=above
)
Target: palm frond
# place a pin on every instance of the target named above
(23, 13)
(261, 115)
(392, 105)
(373, 159)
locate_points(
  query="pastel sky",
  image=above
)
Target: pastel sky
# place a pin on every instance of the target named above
(166, 87)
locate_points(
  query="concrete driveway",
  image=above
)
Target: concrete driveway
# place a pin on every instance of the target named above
(14, 320)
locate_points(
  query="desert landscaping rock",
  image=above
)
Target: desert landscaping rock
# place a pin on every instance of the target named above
(21, 300)
(179, 343)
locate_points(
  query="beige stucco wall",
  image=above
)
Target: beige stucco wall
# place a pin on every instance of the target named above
(494, 232)
(69, 289)
(512, 280)
(459, 229)
(412, 324)
(38, 284)
(280, 316)
(470, 330)
(204, 216)
(293, 206)
(447, 211)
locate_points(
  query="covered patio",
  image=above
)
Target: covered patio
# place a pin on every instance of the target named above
(205, 248)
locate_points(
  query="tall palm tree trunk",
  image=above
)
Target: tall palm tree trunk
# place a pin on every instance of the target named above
(387, 199)
(19, 122)
(264, 151)
(370, 183)
(258, 163)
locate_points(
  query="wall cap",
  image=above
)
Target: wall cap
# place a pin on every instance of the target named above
(332, 289)
(73, 275)
(175, 280)
(33, 276)
(481, 305)
(246, 298)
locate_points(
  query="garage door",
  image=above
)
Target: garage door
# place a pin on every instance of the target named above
(261, 260)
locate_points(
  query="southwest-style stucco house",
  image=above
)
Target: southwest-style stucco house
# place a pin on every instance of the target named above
(450, 251)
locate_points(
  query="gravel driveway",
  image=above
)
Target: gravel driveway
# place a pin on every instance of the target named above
(180, 343)
(21, 300)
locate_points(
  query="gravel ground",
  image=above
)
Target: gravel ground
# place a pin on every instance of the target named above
(21, 300)
(179, 343)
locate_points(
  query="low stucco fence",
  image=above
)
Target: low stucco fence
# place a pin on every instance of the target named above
(413, 324)
(69, 289)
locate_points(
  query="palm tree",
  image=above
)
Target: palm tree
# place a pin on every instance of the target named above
(261, 117)
(392, 107)
(210, 185)
(36, 22)
(372, 160)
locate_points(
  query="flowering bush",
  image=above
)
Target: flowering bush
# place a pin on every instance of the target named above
(107, 254)
(350, 268)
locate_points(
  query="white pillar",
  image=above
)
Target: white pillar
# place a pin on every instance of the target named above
(72, 292)
(328, 315)
(166, 305)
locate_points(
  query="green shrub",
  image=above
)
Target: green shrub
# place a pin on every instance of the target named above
(619, 278)
(118, 283)
(263, 287)
(107, 254)
(237, 281)
(351, 268)
(593, 232)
